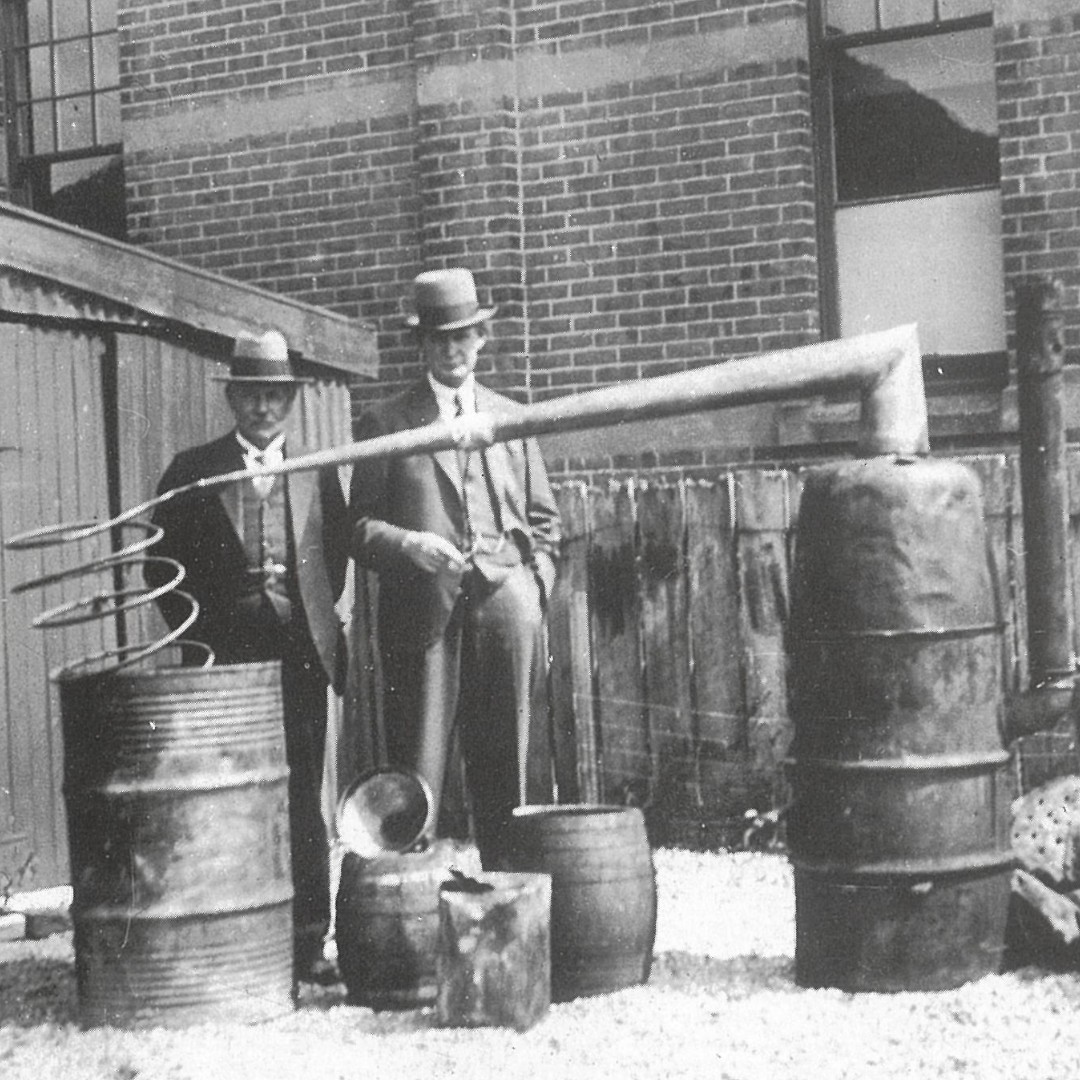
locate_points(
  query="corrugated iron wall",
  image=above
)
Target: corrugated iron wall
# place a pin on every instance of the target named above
(52, 468)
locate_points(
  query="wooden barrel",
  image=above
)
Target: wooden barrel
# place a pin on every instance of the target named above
(387, 922)
(603, 892)
(899, 828)
(176, 788)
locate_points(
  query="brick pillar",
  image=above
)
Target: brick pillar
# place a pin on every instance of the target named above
(468, 166)
(1037, 46)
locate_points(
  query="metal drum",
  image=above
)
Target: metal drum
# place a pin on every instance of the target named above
(899, 827)
(603, 892)
(176, 788)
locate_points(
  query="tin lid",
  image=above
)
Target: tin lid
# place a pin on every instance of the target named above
(386, 810)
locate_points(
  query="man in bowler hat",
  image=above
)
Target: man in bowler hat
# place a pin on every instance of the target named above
(265, 560)
(464, 543)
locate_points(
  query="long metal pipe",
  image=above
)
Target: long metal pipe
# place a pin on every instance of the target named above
(884, 369)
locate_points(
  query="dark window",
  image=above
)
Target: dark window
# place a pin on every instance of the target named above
(915, 116)
(62, 98)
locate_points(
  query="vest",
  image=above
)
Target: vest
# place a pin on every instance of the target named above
(268, 547)
(494, 553)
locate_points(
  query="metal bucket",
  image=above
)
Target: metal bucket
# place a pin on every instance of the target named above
(387, 810)
(603, 892)
(176, 788)
(899, 828)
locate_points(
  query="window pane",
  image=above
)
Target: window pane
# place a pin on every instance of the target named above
(106, 61)
(934, 261)
(71, 18)
(849, 16)
(959, 9)
(22, 131)
(74, 121)
(41, 72)
(108, 117)
(44, 134)
(103, 14)
(37, 20)
(88, 193)
(906, 12)
(915, 116)
(73, 67)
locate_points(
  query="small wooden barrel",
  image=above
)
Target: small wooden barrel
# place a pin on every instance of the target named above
(176, 787)
(603, 892)
(387, 922)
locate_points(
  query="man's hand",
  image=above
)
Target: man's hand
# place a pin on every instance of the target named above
(434, 553)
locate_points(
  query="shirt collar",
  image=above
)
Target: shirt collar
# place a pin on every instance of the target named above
(275, 448)
(445, 395)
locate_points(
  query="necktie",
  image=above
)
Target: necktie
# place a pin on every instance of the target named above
(464, 460)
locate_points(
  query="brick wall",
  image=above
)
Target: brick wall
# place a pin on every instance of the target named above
(274, 144)
(632, 185)
(1038, 78)
(671, 225)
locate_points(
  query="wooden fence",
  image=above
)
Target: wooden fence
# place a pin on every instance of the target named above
(667, 686)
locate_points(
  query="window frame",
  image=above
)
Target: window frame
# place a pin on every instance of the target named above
(824, 48)
(29, 178)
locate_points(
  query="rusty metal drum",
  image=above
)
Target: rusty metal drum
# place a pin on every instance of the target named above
(603, 892)
(899, 826)
(176, 789)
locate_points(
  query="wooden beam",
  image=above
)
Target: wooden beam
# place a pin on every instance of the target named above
(183, 295)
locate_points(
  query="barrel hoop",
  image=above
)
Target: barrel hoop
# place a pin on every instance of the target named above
(267, 899)
(230, 781)
(243, 709)
(909, 763)
(886, 633)
(191, 699)
(214, 973)
(906, 868)
(138, 743)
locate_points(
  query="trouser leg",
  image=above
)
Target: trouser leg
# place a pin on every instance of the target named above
(304, 700)
(502, 650)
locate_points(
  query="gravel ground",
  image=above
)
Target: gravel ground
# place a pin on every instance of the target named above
(721, 1003)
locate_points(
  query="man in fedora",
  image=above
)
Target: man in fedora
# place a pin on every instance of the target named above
(265, 560)
(464, 544)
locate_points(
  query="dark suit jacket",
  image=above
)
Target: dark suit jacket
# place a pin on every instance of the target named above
(393, 496)
(202, 531)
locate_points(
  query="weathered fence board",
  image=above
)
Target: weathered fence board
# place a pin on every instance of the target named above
(721, 786)
(665, 636)
(762, 520)
(615, 621)
(571, 693)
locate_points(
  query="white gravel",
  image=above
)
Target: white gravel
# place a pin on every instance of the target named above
(721, 1003)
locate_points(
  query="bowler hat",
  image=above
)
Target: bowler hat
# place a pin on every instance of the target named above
(446, 300)
(263, 359)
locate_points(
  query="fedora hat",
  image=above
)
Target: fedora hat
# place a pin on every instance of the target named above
(261, 358)
(446, 300)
